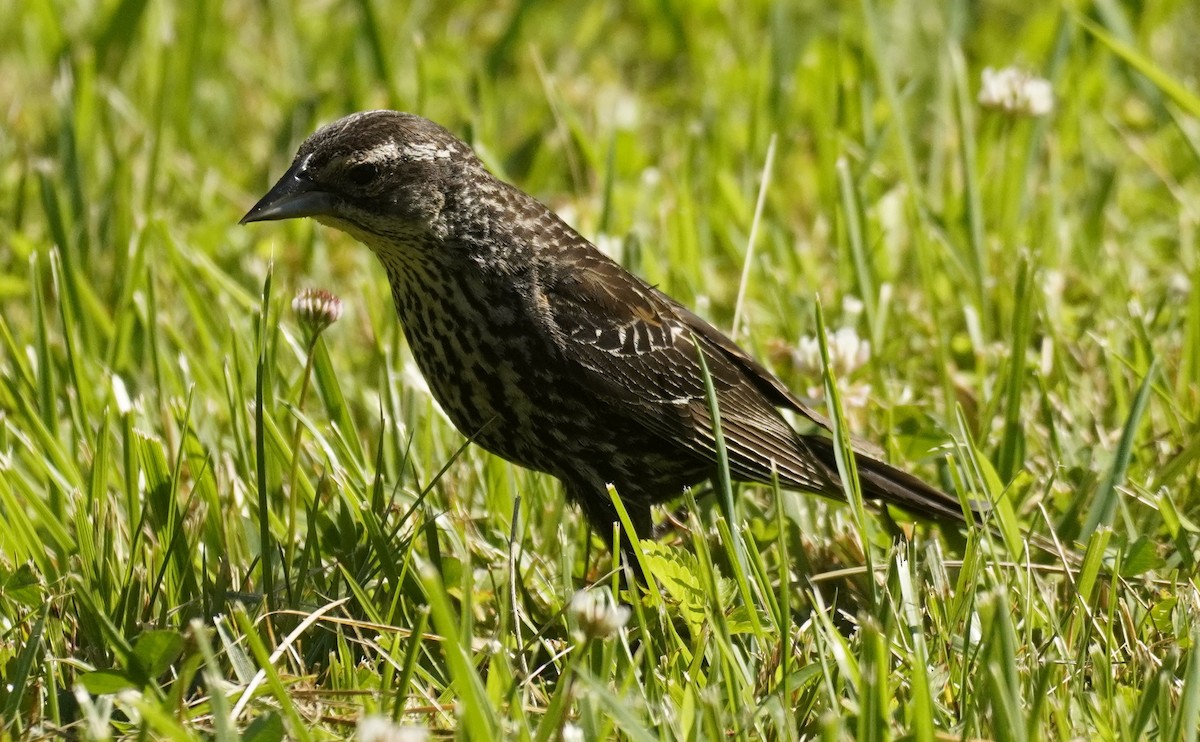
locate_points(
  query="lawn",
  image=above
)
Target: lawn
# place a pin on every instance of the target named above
(217, 524)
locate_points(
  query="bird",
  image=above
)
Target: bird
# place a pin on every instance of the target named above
(548, 353)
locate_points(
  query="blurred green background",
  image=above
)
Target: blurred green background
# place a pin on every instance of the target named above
(1026, 284)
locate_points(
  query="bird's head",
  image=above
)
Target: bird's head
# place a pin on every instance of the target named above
(379, 175)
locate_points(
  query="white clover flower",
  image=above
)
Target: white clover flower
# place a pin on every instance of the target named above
(572, 733)
(625, 112)
(316, 309)
(847, 352)
(1015, 91)
(807, 355)
(856, 397)
(596, 614)
(852, 307)
(379, 728)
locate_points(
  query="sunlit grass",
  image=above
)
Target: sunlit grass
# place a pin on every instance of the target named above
(192, 545)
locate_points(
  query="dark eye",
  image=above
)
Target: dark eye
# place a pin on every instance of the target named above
(362, 173)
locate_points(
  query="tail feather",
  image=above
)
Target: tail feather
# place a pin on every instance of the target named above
(892, 486)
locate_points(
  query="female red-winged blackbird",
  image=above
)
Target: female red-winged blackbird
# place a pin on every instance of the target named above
(543, 350)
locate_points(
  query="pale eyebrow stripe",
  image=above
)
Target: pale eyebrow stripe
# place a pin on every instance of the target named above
(382, 152)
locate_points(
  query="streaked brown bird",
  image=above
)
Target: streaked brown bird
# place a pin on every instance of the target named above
(543, 350)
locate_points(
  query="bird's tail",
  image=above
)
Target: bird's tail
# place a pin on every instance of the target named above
(892, 486)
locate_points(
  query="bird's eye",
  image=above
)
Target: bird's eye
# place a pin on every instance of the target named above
(362, 173)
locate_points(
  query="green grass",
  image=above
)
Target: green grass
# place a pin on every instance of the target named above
(187, 551)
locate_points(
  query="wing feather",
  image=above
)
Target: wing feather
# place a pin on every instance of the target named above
(640, 347)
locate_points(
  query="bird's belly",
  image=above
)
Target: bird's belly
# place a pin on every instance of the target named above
(544, 423)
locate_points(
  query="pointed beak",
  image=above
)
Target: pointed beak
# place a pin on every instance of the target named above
(292, 197)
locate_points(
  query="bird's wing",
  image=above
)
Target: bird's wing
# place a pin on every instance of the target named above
(639, 348)
(765, 381)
